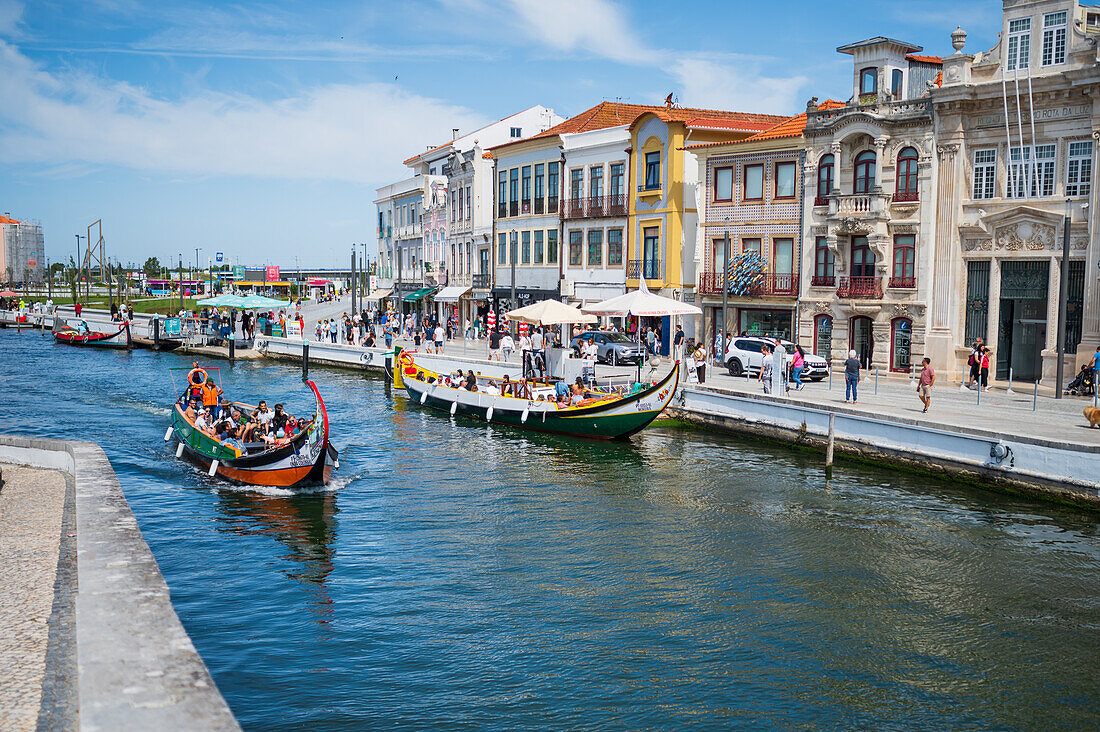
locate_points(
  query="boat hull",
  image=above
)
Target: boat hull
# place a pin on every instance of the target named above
(610, 420)
(118, 339)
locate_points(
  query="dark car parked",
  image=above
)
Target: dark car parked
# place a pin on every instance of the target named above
(612, 348)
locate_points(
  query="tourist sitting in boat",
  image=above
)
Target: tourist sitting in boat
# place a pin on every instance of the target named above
(578, 394)
(507, 388)
(471, 381)
(279, 421)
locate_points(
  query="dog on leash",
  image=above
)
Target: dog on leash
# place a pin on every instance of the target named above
(1092, 414)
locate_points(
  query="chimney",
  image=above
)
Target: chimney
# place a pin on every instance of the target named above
(454, 134)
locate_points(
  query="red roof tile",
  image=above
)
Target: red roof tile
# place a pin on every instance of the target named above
(924, 59)
(617, 114)
(789, 127)
(6, 220)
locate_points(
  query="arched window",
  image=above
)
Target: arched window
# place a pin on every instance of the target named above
(868, 81)
(907, 176)
(865, 172)
(895, 83)
(901, 339)
(825, 171)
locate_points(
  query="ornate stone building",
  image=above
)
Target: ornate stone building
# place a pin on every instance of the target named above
(1016, 131)
(869, 210)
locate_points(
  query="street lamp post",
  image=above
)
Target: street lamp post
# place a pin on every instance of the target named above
(721, 357)
(512, 258)
(181, 281)
(1063, 295)
(353, 282)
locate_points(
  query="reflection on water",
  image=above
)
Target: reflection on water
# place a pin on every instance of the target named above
(459, 575)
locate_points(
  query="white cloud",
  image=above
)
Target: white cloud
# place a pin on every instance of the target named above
(594, 26)
(333, 132)
(11, 13)
(706, 83)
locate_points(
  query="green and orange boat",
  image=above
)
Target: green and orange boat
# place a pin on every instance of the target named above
(605, 414)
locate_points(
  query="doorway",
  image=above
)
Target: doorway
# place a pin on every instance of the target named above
(1022, 331)
(861, 340)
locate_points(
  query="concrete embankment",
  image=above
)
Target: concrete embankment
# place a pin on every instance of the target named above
(114, 655)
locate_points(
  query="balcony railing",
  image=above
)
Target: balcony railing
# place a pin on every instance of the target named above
(540, 205)
(901, 109)
(859, 205)
(903, 283)
(551, 205)
(616, 204)
(769, 285)
(823, 281)
(859, 288)
(649, 268)
(502, 210)
(594, 207)
(572, 208)
(482, 281)
(906, 197)
(821, 201)
(513, 208)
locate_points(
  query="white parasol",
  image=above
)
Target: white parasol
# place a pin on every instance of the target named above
(549, 312)
(642, 302)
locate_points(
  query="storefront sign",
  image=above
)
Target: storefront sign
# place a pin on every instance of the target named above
(273, 273)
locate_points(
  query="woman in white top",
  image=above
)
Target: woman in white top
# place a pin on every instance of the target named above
(700, 356)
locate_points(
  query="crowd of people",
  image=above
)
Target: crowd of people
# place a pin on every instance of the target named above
(205, 405)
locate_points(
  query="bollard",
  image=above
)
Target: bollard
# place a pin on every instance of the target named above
(829, 446)
(305, 361)
(979, 391)
(830, 374)
(876, 379)
(1035, 397)
(233, 348)
(1009, 389)
(156, 333)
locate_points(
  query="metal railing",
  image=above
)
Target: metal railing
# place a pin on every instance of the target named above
(769, 285)
(823, 281)
(482, 281)
(906, 197)
(616, 204)
(572, 208)
(905, 283)
(859, 288)
(552, 205)
(651, 269)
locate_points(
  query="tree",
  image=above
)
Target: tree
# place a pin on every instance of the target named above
(152, 267)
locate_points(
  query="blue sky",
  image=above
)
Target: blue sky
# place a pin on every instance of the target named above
(261, 129)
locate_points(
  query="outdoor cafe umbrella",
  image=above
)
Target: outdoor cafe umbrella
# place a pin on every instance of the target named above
(226, 300)
(9, 293)
(642, 302)
(549, 312)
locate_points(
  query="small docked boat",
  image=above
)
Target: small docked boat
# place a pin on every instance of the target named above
(79, 334)
(299, 456)
(606, 414)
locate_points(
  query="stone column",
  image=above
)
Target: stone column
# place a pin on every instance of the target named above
(834, 148)
(1090, 323)
(945, 297)
(1050, 347)
(993, 311)
(880, 147)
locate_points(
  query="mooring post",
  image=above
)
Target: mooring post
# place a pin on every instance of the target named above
(830, 373)
(979, 390)
(156, 333)
(1035, 397)
(232, 347)
(829, 447)
(1009, 389)
(305, 360)
(876, 379)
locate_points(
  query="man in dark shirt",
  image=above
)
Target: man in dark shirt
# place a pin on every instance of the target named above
(494, 345)
(678, 343)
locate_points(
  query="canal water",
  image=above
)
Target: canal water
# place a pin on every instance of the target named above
(463, 576)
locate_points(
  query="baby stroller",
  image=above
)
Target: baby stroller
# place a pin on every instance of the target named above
(1082, 384)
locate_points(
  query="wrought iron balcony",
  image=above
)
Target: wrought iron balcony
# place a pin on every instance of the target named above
(482, 281)
(573, 208)
(595, 206)
(823, 281)
(651, 269)
(769, 285)
(502, 209)
(903, 283)
(616, 204)
(513, 208)
(540, 205)
(906, 197)
(552, 205)
(859, 288)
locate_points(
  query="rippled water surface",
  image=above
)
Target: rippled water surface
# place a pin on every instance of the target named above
(459, 576)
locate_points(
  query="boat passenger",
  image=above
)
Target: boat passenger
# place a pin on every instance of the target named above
(471, 382)
(279, 421)
(561, 390)
(578, 394)
(492, 390)
(507, 388)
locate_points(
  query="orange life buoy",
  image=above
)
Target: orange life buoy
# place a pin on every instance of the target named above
(193, 377)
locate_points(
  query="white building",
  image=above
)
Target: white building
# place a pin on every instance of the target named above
(594, 214)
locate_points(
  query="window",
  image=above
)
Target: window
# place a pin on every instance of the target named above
(552, 246)
(502, 194)
(525, 248)
(614, 246)
(718, 250)
(985, 173)
(454, 208)
(901, 339)
(824, 272)
(651, 252)
(617, 183)
(595, 181)
(1021, 167)
(551, 187)
(576, 184)
(513, 191)
(1019, 44)
(502, 249)
(754, 182)
(540, 186)
(904, 274)
(865, 172)
(868, 81)
(1054, 38)
(895, 83)
(515, 132)
(723, 184)
(863, 261)
(595, 248)
(526, 189)
(1079, 169)
(652, 171)
(469, 211)
(576, 242)
(537, 259)
(906, 188)
(750, 245)
(783, 257)
(825, 171)
(823, 336)
(784, 180)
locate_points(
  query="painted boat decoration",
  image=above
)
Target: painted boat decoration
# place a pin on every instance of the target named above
(603, 414)
(82, 335)
(307, 458)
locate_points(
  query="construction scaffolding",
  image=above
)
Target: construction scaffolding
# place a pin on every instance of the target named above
(95, 254)
(24, 259)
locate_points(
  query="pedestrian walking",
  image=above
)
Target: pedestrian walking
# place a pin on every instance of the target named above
(765, 376)
(924, 386)
(507, 345)
(851, 378)
(439, 338)
(700, 356)
(975, 364)
(494, 344)
(986, 355)
(779, 368)
(678, 343)
(798, 363)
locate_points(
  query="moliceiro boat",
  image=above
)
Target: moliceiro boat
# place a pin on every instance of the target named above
(79, 334)
(298, 454)
(599, 413)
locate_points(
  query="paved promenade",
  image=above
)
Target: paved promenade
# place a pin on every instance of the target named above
(31, 505)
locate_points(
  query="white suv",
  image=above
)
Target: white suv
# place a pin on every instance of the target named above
(744, 358)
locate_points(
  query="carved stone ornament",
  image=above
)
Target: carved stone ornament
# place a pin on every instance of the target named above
(1079, 243)
(947, 151)
(856, 227)
(822, 306)
(903, 228)
(901, 310)
(975, 245)
(819, 230)
(1025, 236)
